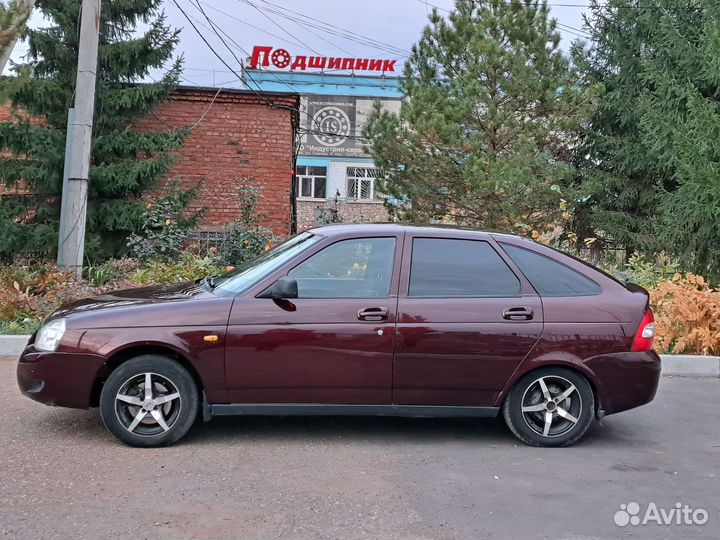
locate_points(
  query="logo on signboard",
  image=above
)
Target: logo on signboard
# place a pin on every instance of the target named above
(331, 126)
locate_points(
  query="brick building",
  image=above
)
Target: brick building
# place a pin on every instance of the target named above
(313, 128)
(235, 134)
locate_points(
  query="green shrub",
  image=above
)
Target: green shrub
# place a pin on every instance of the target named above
(167, 224)
(645, 270)
(101, 274)
(245, 238)
(188, 267)
(23, 326)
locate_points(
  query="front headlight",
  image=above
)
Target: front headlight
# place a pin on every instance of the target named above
(49, 336)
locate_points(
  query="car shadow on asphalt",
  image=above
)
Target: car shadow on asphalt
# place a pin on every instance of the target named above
(352, 428)
(87, 425)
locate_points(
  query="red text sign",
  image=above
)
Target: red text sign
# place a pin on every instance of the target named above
(263, 56)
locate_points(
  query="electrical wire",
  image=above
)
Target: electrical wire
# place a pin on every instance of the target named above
(307, 29)
(584, 6)
(579, 32)
(574, 31)
(258, 28)
(281, 27)
(269, 103)
(351, 35)
(215, 28)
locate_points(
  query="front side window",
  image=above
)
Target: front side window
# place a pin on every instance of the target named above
(362, 184)
(550, 277)
(249, 274)
(357, 268)
(312, 182)
(451, 268)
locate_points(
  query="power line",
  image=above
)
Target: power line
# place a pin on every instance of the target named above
(236, 44)
(231, 16)
(212, 27)
(308, 21)
(332, 26)
(258, 94)
(350, 35)
(281, 27)
(215, 27)
(579, 32)
(212, 49)
(241, 21)
(584, 6)
(572, 30)
(307, 29)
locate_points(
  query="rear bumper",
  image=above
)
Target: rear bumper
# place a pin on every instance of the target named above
(62, 379)
(624, 380)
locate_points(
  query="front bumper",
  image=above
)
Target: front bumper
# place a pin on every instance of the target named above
(58, 378)
(624, 380)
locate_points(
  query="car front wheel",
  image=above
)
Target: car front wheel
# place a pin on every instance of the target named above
(150, 400)
(551, 406)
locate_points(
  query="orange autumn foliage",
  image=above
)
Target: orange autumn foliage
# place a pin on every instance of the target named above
(687, 315)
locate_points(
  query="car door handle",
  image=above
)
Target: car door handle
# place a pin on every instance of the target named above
(373, 314)
(519, 313)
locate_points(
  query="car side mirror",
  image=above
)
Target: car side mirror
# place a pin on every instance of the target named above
(282, 289)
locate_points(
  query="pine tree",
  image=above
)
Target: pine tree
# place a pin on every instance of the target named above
(492, 107)
(652, 176)
(124, 163)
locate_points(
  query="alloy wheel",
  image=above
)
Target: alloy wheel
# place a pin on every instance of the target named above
(551, 406)
(148, 404)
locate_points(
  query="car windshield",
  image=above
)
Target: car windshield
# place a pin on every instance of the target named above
(247, 275)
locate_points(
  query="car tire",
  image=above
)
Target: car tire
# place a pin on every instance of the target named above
(551, 406)
(158, 417)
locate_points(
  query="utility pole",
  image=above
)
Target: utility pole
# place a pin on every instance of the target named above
(71, 242)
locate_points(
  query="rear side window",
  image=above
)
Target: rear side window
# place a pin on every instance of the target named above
(549, 277)
(444, 268)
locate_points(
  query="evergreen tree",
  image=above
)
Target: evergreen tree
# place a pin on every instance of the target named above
(653, 170)
(492, 108)
(124, 163)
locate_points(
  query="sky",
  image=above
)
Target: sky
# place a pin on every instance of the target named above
(361, 28)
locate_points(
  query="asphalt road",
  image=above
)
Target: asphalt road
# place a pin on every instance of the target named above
(63, 476)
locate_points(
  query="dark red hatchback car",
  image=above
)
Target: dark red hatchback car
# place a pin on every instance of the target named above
(359, 320)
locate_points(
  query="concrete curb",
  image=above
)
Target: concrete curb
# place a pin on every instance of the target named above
(12, 345)
(672, 364)
(690, 365)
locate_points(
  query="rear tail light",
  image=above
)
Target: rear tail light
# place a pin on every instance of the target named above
(646, 332)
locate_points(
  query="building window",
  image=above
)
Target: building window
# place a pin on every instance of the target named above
(312, 182)
(362, 184)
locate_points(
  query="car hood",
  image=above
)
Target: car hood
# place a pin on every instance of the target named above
(183, 304)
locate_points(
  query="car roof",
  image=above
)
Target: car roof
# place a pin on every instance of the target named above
(343, 229)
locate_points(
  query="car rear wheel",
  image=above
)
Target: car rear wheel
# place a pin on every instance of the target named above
(150, 400)
(551, 406)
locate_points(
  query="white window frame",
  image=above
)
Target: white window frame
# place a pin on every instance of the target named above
(358, 180)
(312, 177)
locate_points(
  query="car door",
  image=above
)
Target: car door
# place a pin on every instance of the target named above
(465, 321)
(332, 344)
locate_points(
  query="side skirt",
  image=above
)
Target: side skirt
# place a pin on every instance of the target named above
(321, 409)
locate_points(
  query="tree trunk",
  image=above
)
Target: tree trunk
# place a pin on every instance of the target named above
(19, 11)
